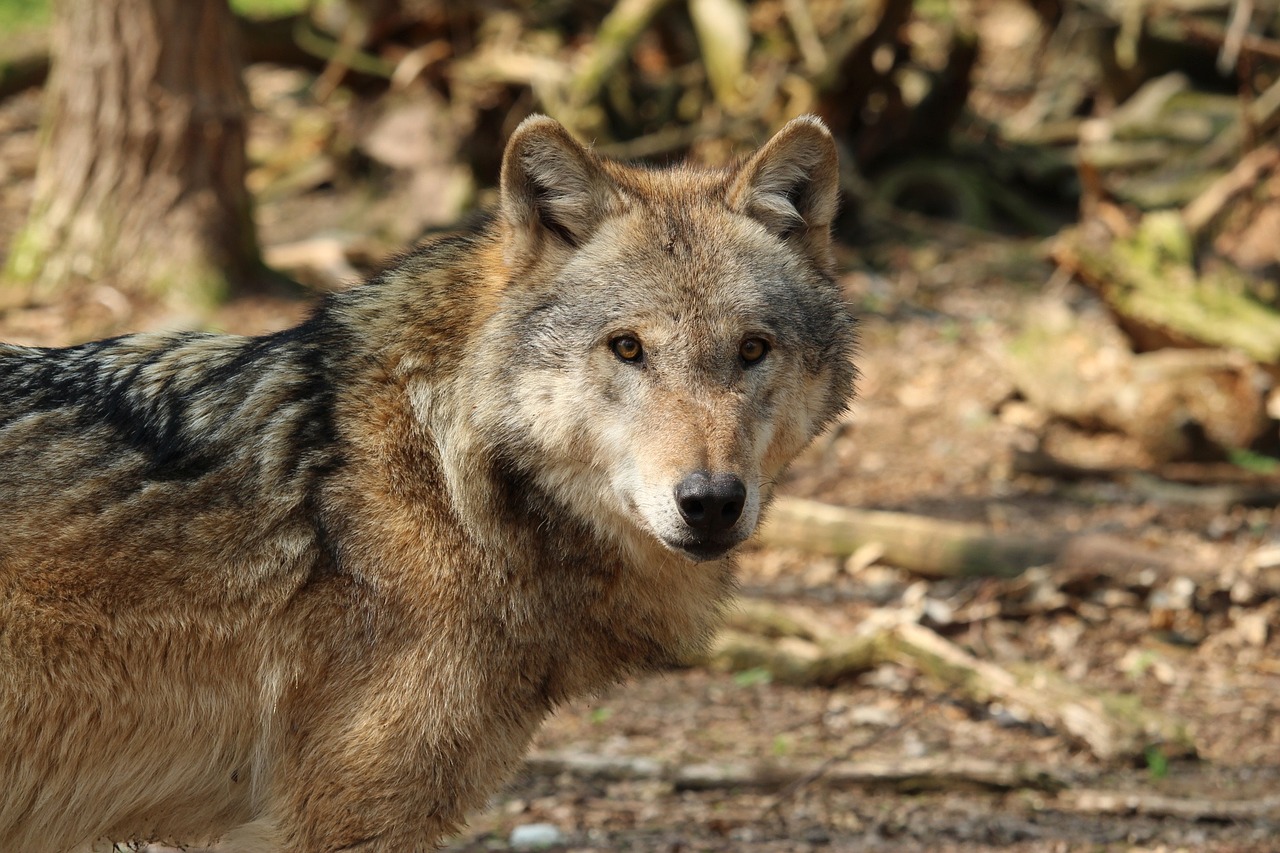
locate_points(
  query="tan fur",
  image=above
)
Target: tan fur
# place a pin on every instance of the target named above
(315, 591)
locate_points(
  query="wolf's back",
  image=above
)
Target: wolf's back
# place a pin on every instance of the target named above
(196, 446)
(164, 407)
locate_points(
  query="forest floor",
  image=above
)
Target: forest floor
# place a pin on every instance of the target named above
(701, 760)
(927, 437)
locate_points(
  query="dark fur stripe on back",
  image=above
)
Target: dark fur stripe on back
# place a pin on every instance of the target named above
(150, 391)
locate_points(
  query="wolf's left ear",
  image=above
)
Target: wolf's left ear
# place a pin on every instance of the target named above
(792, 187)
(551, 185)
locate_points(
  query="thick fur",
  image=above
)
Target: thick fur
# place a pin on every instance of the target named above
(314, 591)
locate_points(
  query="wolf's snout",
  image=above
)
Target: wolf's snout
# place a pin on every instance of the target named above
(711, 503)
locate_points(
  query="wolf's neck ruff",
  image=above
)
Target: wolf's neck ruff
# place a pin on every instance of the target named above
(325, 583)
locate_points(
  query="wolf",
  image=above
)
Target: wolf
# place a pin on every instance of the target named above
(314, 591)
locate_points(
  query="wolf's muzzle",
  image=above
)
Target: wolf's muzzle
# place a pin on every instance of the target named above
(710, 504)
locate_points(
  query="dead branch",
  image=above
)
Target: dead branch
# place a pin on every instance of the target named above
(1206, 207)
(593, 767)
(1159, 805)
(1150, 282)
(928, 773)
(929, 546)
(1215, 485)
(618, 32)
(944, 772)
(1259, 118)
(935, 548)
(1111, 726)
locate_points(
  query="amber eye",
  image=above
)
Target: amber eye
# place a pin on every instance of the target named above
(752, 350)
(627, 348)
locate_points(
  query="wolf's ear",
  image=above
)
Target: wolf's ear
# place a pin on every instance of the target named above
(551, 184)
(792, 186)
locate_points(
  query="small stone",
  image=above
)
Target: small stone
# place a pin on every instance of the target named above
(535, 836)
(822, 572)
(1252, 627)
(874, 716)
(938, 612)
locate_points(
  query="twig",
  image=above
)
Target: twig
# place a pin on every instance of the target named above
(1202, 210)
(618, 32)
(811, 49)
(1241, 15)
(1159, 805)
(829, 764)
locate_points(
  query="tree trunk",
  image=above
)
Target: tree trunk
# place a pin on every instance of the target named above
(140, 183)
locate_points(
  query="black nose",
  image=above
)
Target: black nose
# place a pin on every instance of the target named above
(710, 503)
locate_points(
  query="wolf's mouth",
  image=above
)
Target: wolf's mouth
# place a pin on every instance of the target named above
(699, 552)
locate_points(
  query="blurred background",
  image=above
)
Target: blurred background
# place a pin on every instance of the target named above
(1026, 596)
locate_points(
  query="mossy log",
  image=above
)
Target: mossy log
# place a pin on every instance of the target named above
(1149, 280)
(1079, 367)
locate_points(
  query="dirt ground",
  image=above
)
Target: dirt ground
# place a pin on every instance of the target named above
(926, 436)
(681, 761)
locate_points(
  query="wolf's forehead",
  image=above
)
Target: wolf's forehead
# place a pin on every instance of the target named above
(664, 306)
(685, 228)
(679, 244)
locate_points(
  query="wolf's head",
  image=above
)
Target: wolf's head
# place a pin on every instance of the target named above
(668, 340)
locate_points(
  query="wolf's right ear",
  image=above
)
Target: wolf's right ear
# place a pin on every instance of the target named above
(552, 185)
(792, 187)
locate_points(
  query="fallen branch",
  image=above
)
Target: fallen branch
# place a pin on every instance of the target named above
(936, 548)
(796, 661)
(1112, 727)
(929, 773)
(1159, 805)
(593, 767)
(917, 543)
(1214, 485)
(1242, 178)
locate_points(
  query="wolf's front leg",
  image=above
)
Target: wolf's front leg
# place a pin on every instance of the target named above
(385, 824)
(383, 785)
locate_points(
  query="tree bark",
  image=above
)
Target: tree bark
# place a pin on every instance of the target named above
(140, 183)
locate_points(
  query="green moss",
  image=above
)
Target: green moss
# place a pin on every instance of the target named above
(268, 8)
(28, 254)
(19, 15)
(1151, 277)
(1163, 238)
